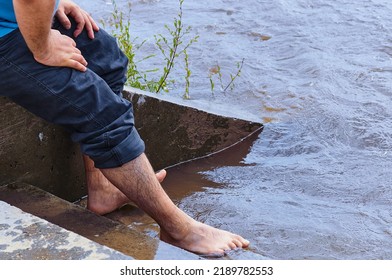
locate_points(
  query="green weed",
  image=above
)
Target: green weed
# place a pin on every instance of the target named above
(172, 46)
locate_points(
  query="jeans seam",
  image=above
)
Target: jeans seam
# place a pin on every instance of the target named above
(112, 151)
(116, 155)
(48, 90)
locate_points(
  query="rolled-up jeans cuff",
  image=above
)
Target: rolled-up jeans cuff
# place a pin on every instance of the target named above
(127, 150)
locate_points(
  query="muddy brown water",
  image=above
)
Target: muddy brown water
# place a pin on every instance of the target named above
(316, 183)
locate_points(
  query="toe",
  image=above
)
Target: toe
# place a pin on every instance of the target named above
(244, 242)
(216, 254)
(161, 175)
(233, 245)
(237, 243)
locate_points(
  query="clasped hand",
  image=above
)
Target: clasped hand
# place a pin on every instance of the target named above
(61, 50)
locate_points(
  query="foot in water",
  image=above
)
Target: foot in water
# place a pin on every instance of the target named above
(137, 181)
(205, 240)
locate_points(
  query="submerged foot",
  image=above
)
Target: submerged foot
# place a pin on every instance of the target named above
(205, 240)
(103, 197)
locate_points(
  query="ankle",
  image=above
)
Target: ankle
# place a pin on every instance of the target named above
(180, 231)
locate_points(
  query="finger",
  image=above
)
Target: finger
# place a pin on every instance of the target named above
(77, 66)
(73, 43)
(63, 19)
(89, 28)
(93, 23)
(80, 21)
(66, 41)
(79, 58)
(78, 29)
(74, 62)
(76, 50)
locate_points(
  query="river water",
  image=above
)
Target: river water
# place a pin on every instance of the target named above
(316, 183)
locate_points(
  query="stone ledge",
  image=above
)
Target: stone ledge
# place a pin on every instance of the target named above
(35, 152)
(27, 237)
(177, 132)
(67, 229)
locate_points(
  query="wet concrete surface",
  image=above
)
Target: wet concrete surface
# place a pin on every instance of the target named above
(26, 237)
(35, 152)
(82, 222)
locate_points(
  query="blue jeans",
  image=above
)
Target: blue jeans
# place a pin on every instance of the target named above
(88, 104)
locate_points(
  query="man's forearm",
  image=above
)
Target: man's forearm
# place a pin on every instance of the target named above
(34, 19)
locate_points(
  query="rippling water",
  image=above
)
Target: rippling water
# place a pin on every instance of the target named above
(316, 184)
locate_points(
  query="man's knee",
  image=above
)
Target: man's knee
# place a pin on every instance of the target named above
(102, 53)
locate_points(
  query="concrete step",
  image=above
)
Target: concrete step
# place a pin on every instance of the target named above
(26, 237)
(39, 225)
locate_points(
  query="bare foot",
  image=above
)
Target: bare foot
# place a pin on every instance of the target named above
(161, 175)
(137, 180)
(103, 197)
(205, 240)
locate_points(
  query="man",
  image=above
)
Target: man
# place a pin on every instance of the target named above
(57, 63)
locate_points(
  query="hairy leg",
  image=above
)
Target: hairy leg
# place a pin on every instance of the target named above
(103, 197)
(136, 179)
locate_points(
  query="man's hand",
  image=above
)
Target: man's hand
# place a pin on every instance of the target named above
(49, 46)
(83, 19)
(61, 51)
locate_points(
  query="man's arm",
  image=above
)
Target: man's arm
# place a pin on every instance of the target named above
(48, 46)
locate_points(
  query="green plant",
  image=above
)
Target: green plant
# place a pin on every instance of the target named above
(174, 48)
(171, 46)
(216, 71)
(187, 76)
